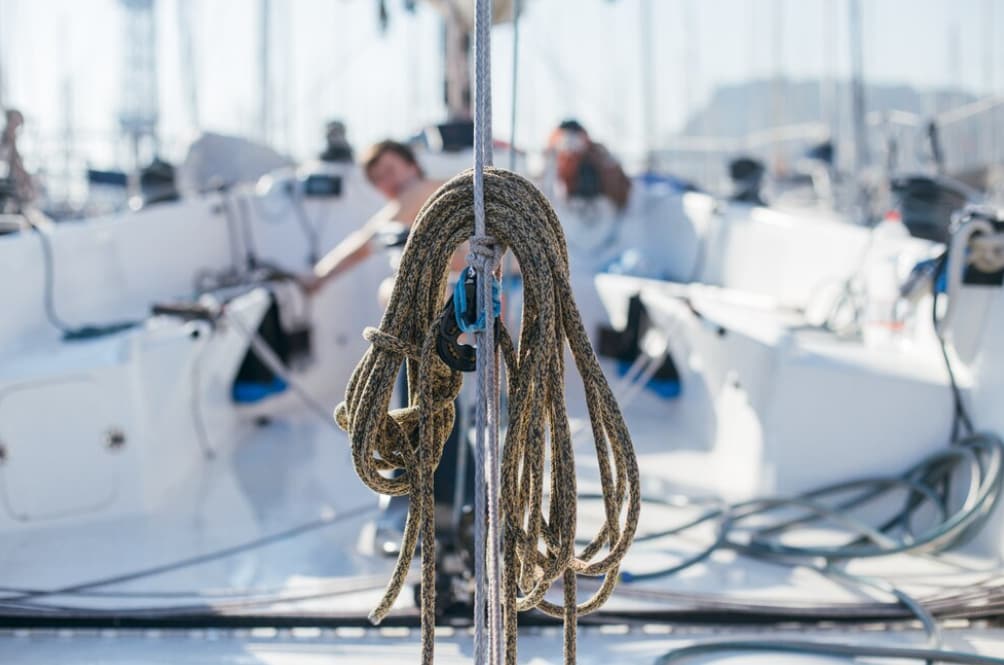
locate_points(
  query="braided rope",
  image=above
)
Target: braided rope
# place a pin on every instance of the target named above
(538, 458)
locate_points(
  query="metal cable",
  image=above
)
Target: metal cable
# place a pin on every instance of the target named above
(70, 332)
(827, 649)
(179, 564)
(981, 456)
(484, 259)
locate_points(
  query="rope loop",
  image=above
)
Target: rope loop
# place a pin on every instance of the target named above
(538, 495)
(485, 254)
(381, 340)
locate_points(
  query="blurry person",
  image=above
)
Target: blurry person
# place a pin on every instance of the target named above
(586, 169)
(393, 169)
(337, 147)
(747, 176)
(15, 178)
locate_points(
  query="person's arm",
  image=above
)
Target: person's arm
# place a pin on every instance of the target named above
(351, 251)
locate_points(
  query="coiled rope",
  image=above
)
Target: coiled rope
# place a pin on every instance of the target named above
(537, 458)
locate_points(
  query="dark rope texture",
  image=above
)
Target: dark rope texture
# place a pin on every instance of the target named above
(537, 458)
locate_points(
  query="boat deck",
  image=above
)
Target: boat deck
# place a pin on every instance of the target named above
(288, 486)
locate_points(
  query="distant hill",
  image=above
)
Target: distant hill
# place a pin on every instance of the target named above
(740, 109)
(777, 121)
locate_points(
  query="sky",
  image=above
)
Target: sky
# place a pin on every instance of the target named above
(62, 64)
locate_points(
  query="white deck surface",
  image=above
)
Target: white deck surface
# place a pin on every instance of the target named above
(355, 646)
(297, 469)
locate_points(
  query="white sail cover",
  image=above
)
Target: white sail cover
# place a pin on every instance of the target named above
(214, 160)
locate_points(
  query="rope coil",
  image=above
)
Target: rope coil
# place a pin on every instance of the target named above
(537, 459)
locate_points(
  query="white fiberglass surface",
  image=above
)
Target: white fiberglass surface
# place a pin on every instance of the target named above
(286, 485)
(631, 645)
(297, 469)
(675, 463)
(280, 476)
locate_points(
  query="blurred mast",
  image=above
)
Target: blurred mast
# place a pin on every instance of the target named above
(66, 103)
(858, 104)
(264, 121)
(186, 50)
(777, 88)
(3, 80)
(413, 73)
(989, 33)
(139, 97)
(457, 82)
(647, 83)
(990, 76)
(828, 81)
(954, 66)
(458, 24)
(517, 7)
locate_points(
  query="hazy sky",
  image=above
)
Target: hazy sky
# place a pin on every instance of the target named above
(578, 57)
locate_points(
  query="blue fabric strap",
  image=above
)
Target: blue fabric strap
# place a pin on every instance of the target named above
(461, 307)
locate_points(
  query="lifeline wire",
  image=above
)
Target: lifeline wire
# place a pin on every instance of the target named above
(927, 486)
(851, 651)
(770, 520)
(70, 332)
(198, 559)
(538, 456)
(484, 259)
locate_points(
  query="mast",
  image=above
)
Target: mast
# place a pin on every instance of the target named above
(989, 29)
(828, 113)
(990, 81)
(186, 50)
(3, 41)
(517, 7)
(458, 24)
(66, 102)
(139, 112)
(264, 119)
(647, 83)
(954, 66)
(858, 102)
(777, 92)
(457, 38)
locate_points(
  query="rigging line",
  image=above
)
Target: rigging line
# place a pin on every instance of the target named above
(49, 285)
(826, 649)
(310, 230)
(70, 332)
(960, 415)
(195, 403)
(264, 352)
(345, 587)
(484, 259)
(516, 11)
(233, 231)
(208, 592)
(247, 232)
(980, 454)
(188, 562)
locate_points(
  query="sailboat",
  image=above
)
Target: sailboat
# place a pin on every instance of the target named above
(813, 404)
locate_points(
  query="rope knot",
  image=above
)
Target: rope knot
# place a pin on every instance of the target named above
(387, 342)
(485, 253)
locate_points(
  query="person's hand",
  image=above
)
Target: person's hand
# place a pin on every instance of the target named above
(310, 283)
